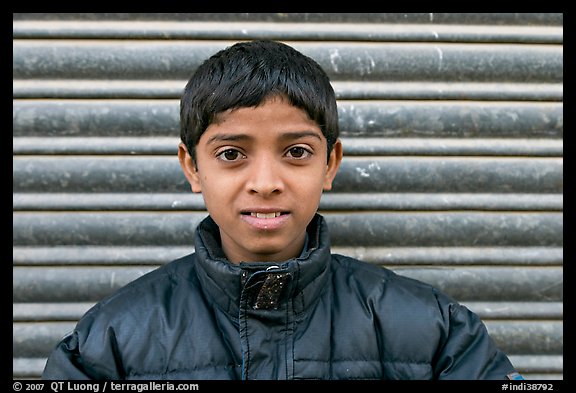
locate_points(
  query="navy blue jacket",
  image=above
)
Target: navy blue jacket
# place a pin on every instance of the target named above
(319, 316)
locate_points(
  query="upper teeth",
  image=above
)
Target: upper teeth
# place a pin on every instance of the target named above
(265, 215)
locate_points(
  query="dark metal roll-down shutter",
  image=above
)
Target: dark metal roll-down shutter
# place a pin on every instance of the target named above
(452, 126)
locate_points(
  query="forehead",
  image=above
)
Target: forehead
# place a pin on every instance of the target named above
(271, 108)
(273, 118)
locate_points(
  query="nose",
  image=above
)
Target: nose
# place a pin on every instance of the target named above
(264, 177)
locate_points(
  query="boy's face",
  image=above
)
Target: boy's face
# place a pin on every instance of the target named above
(262, 171)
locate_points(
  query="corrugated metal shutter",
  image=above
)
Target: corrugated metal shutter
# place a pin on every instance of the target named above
(453, 173)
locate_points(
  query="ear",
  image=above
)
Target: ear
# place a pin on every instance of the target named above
(189, 168)
(333, 164)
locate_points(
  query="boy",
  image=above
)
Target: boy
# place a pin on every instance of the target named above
(262, 297)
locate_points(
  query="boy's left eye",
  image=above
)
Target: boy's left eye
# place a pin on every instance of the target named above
(298, 152)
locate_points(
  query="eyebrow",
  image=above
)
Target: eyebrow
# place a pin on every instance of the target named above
(287, 136)
(228, 138)
(290, 136)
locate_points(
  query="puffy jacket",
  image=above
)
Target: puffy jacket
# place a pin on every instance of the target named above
(319, 316)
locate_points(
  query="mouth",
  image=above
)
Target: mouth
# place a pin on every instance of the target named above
(264, 215)
(265, 220)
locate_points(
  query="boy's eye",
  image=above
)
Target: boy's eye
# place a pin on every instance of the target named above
(230, 155)
(298, 152)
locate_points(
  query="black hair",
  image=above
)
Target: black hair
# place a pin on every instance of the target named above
(247, 73)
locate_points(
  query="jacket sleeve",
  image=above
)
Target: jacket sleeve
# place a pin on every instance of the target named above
(84, 354)
(468, 351)
(65, 362)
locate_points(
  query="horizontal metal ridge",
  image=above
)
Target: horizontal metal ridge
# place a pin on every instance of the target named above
(98, 255)
(528, 337)
(28, 368)
(473, 18)
(375, 174)
(456, 256)
(244, 30)
(501, 310)
(107, 255)
(57, 201)
(357, 118)
(359, 146)
(453, 146)
(515, 338)
(517, 310)
(345, 90)
(463, 283)
(36, 312)
(538, 364)
(356, 229)
(366, 61)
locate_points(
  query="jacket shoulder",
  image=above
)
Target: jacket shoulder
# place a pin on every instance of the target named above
(141, 292)
(384, 290)
(427, 327)
(382, 278)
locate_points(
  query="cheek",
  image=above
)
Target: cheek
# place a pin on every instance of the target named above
(219, 186)
(309, 183)
(209, 184)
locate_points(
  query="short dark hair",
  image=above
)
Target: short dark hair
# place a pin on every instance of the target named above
(247, 73)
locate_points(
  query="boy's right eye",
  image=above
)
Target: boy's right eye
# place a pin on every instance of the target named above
(230, 155)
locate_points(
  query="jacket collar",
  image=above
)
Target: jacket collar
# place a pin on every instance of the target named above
(297, 280)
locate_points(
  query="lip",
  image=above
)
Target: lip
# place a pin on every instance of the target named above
(265, 224)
